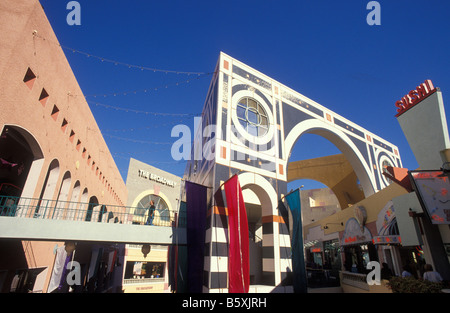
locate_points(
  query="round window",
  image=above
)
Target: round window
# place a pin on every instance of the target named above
(252, 117)
(160, 206)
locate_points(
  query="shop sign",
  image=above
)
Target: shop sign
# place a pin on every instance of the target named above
(387, 226)
(157, 178)
(414, 96)
(433, 191)
(355, 234)
(385, 240)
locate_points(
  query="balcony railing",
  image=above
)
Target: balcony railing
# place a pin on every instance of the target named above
(88, 212)
(130, 281)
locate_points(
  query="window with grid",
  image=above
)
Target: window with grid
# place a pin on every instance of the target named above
(252, 117)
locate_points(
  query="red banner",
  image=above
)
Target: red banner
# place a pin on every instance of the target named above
(238, 256)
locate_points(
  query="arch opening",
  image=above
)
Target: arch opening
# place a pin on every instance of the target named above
(93, 204)
(260, 202)
(63, 194)
(20, 156)
(333, 161)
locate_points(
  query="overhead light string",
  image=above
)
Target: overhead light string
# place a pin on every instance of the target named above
(139, 141)
(107, 60)
(143, 112)
(147, 89)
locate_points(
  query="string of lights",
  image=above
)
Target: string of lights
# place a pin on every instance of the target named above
(152, 126)
(153, 162)
(147, 90)
(141, 111)
(115, 62)
(139, 141)
(198, 74)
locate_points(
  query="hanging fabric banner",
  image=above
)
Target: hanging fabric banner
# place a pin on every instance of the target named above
(96, 257)
(58, 269)
(284, 213)
(195, 234)
(112, 260)
(238, 256)
(298, 260)
(181, 255)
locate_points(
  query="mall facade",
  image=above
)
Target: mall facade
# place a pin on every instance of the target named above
(257, 123)
(53, 157)
(146, 267)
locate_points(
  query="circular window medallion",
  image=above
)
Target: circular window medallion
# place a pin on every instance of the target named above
(252, 117)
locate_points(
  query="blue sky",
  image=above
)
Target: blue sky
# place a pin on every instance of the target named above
(323, 49)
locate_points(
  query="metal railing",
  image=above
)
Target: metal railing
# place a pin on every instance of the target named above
(88, 212)
(355, 280)
(130, 281)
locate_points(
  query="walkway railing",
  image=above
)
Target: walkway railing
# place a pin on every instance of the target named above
(88, 212)
(355, 280)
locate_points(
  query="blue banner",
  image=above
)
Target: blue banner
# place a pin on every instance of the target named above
(298, 259)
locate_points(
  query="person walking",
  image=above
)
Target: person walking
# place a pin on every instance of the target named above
(406, 271)
(431, 275)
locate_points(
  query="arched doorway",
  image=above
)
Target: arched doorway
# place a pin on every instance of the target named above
(61, 203)
(83, 206)
(20, 155)
(50, 181)
(43, 208)
(74, 203)
(266, 236)
(92, 205)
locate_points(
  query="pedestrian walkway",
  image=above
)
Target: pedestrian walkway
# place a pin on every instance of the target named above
(39, 219)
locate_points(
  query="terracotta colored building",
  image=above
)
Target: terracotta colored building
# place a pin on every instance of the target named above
(51, 147)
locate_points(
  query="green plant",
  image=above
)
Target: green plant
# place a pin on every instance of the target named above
(412, 285)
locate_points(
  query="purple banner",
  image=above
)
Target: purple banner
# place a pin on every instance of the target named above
(195, 234)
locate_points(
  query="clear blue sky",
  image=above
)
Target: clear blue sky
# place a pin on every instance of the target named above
(323, 49)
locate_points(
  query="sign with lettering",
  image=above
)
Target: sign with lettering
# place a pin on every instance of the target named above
(433, 191)
(392, 239)
(157, 178)
(355, 234)
(414, 96)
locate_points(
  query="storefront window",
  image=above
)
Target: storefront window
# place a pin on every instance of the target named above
(140, 270)
(358, 256)
(331, 251)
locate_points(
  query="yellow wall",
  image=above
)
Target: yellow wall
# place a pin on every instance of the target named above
(372, 204)
(334, 171)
